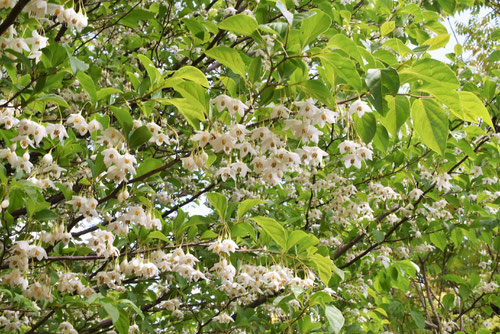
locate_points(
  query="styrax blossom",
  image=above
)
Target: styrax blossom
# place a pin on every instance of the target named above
(359, 107)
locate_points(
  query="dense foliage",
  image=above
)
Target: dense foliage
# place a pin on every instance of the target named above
(352, 180)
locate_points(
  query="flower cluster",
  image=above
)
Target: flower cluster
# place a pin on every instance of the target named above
(137, 216)
(102, 243)
(69, 283)
(21, 252)
(57, 234)
(180, 262)
(86, 206)
(119, 165)
(355, 153)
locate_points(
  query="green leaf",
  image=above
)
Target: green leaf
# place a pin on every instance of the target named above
(324, 267)
(158, 235)
(52, 98)
(124, 118)
(473, 108)
(88, 84)
(229, 58)
(45, 215)
(219, 202)
(321, 298)
(152, 71)
(317, 90)
(314, 26)
(387, 28)
(112, 311)
(123, 322)
(419, 319)
(135, 15)
(437, 42)
(105, 92)
(448, 5)
(439, 240)
(335, 318)
(366, 126)
(433, 72)
(398, 114)
(398, 46)
(247, 205)
(382, 82)
(273, 229)
(189, 108)
(294, 238)
(148, 165)
(344, 43)
(430, 123)
(343, 68)
(76, 64)
(307, 243)
(239, 24)
(457, 236)
(139, 137)
(286, 13)
(193, 74)
(242, 229)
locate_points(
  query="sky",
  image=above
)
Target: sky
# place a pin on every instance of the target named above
(450, 24)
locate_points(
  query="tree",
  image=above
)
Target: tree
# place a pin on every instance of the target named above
(352, 180)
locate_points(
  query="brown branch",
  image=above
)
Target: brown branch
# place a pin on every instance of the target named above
(360, 236)
(40, 322)
(14, 13)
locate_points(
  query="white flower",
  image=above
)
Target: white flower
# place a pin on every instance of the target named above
(95, 125)
(37, 41)
(223, 318)
(359, 107)
(202, 137)
(222, 102)
(236, 106)
(352, 160)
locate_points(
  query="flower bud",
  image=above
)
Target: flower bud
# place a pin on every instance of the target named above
(47, 159)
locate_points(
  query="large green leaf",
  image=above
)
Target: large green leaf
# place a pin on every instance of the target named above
(432, 72)
(317, 90)
(246, 205)
(294, 238)
(398, 46)
(107, 91)
(419, 319)
(313, 26)
(344, 43)
(139, 137)
(228, 57)
(397, 114)
(343, 68)
(88, 85)
(193, 74)
(239, 24)
(153, 73)
(382, 82)
(112, 311)
(473, 108)
(124, 118)
(387, 27)
(366, 126)
(431, 123)
(437, 42)
(190, 108)
(272, 228)
(335, 318)
(324, 267)
(448, 5)
(219, 202)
